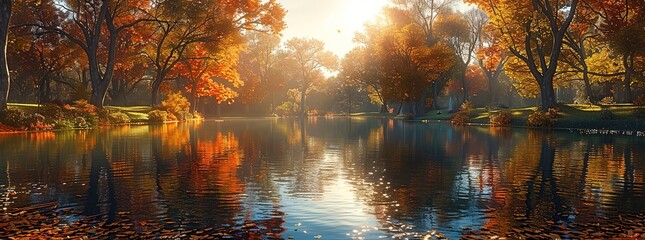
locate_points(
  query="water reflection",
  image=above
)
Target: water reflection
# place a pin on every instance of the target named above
(334, 177)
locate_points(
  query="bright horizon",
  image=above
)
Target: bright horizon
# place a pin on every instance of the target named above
(335, 22)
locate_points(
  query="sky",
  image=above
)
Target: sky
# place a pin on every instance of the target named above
(334, 22)
(331, 21)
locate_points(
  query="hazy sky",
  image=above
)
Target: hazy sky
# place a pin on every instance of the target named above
(323, 19)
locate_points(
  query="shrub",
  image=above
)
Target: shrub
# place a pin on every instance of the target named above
(175, 103)
(286, 108)
(553, 113)
(183, 116)
(460, 118)
(501, 118)
(198, 115)
(539, 119)
(157, 116)
(82, 109)
(172, 117)
(606, 114)
(81, 122)
(467, 106)
(14, 118)
(607, 101)
(118, 118)
(52, 111)
(312, 112)
(63, 124)
(37, 123)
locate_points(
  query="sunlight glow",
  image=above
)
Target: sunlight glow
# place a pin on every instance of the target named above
(357, 12)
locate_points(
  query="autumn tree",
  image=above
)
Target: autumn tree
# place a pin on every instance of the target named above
(5, 18)
(623, 27)
(130, 66)
(533, 31)
(210, 73)
(360, 69)
(309, 60)
(90, 23)
(462, 31)
(260, 69)
(491, 58)
(409, 65)
(181, 24)
(424, 13)
(475, 81)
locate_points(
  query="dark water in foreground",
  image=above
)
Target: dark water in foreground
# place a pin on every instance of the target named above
(331, 177)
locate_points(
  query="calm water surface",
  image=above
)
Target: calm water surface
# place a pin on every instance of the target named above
(337, 178)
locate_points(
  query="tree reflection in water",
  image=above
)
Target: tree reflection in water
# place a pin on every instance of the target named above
(330, 175)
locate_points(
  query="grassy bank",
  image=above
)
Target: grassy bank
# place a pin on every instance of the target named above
(136, 113)
(570, 116)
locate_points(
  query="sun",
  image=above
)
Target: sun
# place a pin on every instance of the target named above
(357, 12)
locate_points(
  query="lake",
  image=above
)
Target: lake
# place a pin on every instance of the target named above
(338, 178)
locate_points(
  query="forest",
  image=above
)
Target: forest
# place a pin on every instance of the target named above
(228, 58)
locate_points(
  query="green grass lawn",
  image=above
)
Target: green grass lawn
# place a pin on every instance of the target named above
(136, 113)
(572, 116)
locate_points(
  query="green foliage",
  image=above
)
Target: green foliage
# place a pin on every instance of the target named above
(287, 108)
(460, 118)
(501, 118)
(158, 116)
(63, 124)
(81, 122)
(118, 118)
(175, 103)
(539, 119)
(81, 109)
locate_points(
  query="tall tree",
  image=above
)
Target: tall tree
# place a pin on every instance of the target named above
(210, 74)
(5, 82)
(309, 60)
(89, 23)
(533, 31)
(463, 31)
(260, 70)
(410, 66)
(623, 27)
(361, 69)
(491, 58)
(425, 12)
(181, 24)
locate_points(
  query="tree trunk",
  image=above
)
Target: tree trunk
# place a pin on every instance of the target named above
(99, 90)
(193, 94)
(588, 89)
(302, 103)
(383, 109)
(435, 95)
(548, 94)
(5, 81)
(464, 86)
(43, 89)
(154, 99)
(627, 81)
